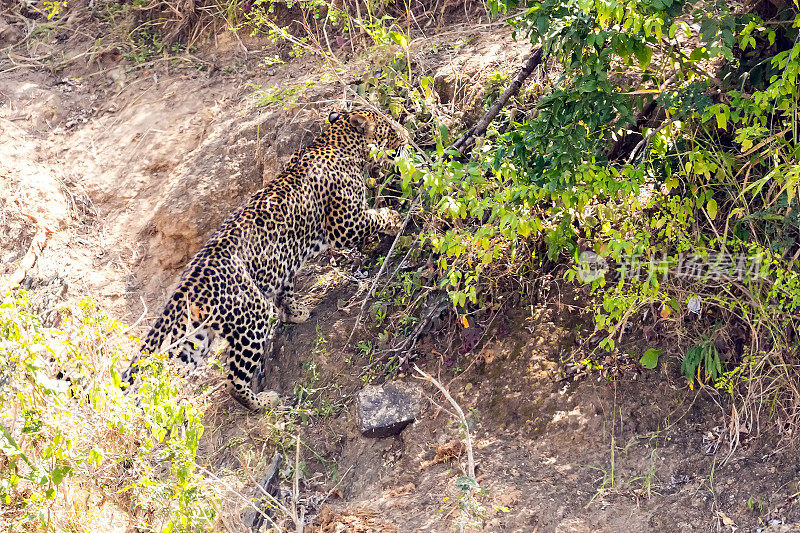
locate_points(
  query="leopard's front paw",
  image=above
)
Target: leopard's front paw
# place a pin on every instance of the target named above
(390, 220)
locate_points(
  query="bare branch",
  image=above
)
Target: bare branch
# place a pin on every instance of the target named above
(462, 418)
(382, 269)
(479, 129)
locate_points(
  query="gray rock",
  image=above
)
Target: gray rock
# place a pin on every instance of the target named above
(386, 410)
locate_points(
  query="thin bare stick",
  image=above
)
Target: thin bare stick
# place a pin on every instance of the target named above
(272, 499)
(462, 418)
(298, 518)
(138, 320)
(188, 333)
(400, 264)
(642, 145)
(383, 268)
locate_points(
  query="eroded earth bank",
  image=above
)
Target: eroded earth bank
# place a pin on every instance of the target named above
(123, 169)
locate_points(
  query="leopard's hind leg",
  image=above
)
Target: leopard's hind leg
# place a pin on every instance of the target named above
(250, 341)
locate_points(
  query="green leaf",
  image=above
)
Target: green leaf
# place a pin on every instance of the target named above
(671, 183)
(650, 358)
(59, 473)
(524, 228)
(11, 448)
(116, 379)
(672, 30)
(701, 52)
(711, 207)
(643, 54)
(426, 83)
(444, 133)
(690, 362)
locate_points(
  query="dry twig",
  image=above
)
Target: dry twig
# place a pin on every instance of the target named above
(463, 419)
(382, 269)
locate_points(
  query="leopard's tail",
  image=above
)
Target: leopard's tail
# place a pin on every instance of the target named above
(152, 341)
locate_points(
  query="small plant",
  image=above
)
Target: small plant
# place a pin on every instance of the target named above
(757, 504)
(407, 323)
(366, 348)
(320, 342)
(308, 388)
(702, 362)
(53, 8)
(379, 310)
(646, 488)
(147, 43)
(269, 61)
(472, 510)
(285, 97)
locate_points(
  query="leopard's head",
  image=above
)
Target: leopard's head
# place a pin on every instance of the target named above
(370, 125)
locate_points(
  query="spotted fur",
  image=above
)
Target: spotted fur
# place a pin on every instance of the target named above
(242, 280)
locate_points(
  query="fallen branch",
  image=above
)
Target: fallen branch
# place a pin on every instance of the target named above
(462, 418)
(479, 129)
(299, 518)
(467, 438)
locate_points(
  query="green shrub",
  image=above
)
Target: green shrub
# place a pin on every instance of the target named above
(69, 443)
(699, 208)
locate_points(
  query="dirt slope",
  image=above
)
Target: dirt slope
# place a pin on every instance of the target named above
(129, 172)
(547, 449)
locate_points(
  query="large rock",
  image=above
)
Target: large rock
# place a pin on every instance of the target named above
(385, 410)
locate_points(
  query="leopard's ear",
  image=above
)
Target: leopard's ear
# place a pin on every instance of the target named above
(334, 116)
(360, 123)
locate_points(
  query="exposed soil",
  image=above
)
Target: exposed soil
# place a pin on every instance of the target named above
(129, 170)
(544, 447)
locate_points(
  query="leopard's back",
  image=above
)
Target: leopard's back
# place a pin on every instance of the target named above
(241, 282)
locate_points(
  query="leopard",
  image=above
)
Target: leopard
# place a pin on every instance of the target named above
(240, 284)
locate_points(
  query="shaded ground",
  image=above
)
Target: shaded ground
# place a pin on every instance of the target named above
(131, 170)
(641, 452)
